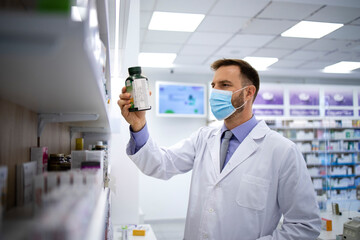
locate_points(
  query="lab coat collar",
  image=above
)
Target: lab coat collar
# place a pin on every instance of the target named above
(260, 130)
(242, 153)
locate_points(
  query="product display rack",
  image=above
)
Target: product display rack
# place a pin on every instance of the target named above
(54, 64)
(331, 151)
(50, 62)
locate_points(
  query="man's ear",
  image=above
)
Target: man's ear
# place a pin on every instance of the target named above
(251, 91)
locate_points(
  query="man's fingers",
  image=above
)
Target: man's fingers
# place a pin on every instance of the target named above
(125, 96)
(123, 102)
(123, 90)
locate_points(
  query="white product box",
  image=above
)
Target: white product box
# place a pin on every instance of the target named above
(24, 182)
(40, 155)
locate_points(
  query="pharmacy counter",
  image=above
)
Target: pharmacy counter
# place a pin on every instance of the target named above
(337, 223)
(149, 235)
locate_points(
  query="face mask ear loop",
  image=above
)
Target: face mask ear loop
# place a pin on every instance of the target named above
(240, 89)
(241, 105)
(244, 102)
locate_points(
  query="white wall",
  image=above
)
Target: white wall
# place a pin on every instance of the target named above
(124, 178)
(161, 199)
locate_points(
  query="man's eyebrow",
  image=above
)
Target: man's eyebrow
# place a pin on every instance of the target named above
(225, 81)
(221, 82)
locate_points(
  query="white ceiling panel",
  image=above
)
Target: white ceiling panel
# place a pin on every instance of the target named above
(356, 22)
(268, 27)
(234, 52)
(197, 50)
(353, 47)
(326, 45)
(270, 52)
(286, 64)
(190, 60)
(160, 48)
(166, 37)
(221, 24)
(147, 5)
(316, 64)
(142, 34)
(249, 41)
(335, 14)
(289, 43)
(184, 6)
(337, 56)
(205, 38)
(305, 55)
(240, 28)
(145, 19)
(346, 32)
(286, 10)
(214, 58)
(241, 8)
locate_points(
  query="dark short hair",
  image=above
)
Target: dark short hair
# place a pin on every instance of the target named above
(246, 70)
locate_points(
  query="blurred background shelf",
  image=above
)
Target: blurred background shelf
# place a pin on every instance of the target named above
(50, 63)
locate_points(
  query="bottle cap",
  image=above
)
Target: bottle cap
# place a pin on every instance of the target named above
(134, 70)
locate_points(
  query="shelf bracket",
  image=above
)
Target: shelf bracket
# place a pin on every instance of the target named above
(85, 130)
(44, 118)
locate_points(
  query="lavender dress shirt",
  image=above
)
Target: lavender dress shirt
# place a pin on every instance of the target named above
(239, 134)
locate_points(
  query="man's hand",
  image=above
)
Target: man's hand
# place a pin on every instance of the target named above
(137, 119)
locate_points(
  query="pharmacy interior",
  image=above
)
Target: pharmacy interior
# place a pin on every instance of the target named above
(64, 171)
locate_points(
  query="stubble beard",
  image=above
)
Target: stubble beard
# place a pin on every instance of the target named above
(238, 102)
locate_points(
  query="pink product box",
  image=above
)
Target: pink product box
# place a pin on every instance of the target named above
(40, 155)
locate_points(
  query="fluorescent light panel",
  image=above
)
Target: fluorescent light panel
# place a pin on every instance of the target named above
(158, 60)
(93, 21)
(75, 14)
(308, 29)
(168, 21)
(342, 67)
(260, 63)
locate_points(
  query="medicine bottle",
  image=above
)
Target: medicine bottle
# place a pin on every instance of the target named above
(138, 86)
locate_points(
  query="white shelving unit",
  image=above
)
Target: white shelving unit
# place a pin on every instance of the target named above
(48, 63)
(96, 228)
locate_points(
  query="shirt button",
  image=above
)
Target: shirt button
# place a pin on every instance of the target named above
(211, 210)
(205, 236)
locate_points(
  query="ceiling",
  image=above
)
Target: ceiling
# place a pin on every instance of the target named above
(240, 28)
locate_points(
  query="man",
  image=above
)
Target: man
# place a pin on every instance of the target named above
(244, 179)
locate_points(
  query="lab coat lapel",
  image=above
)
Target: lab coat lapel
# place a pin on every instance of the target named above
(214, 146)
(246, 148)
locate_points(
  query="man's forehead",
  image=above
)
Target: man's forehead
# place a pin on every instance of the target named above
(227, 74)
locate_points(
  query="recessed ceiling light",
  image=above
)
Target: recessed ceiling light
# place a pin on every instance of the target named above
(75, 14)
(158, 60)
(342, 67)
(308, 29)
(168, 21)
(260, 63)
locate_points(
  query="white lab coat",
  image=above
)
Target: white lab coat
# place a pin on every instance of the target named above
(265, 178)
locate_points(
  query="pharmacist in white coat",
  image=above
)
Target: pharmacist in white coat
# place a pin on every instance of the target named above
(242, 181)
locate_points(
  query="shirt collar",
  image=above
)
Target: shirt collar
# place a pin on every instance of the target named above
(241, 131)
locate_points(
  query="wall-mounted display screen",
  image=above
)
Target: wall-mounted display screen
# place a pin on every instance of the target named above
(176, 99)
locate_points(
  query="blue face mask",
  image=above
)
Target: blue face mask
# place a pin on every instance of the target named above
(220, 103)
